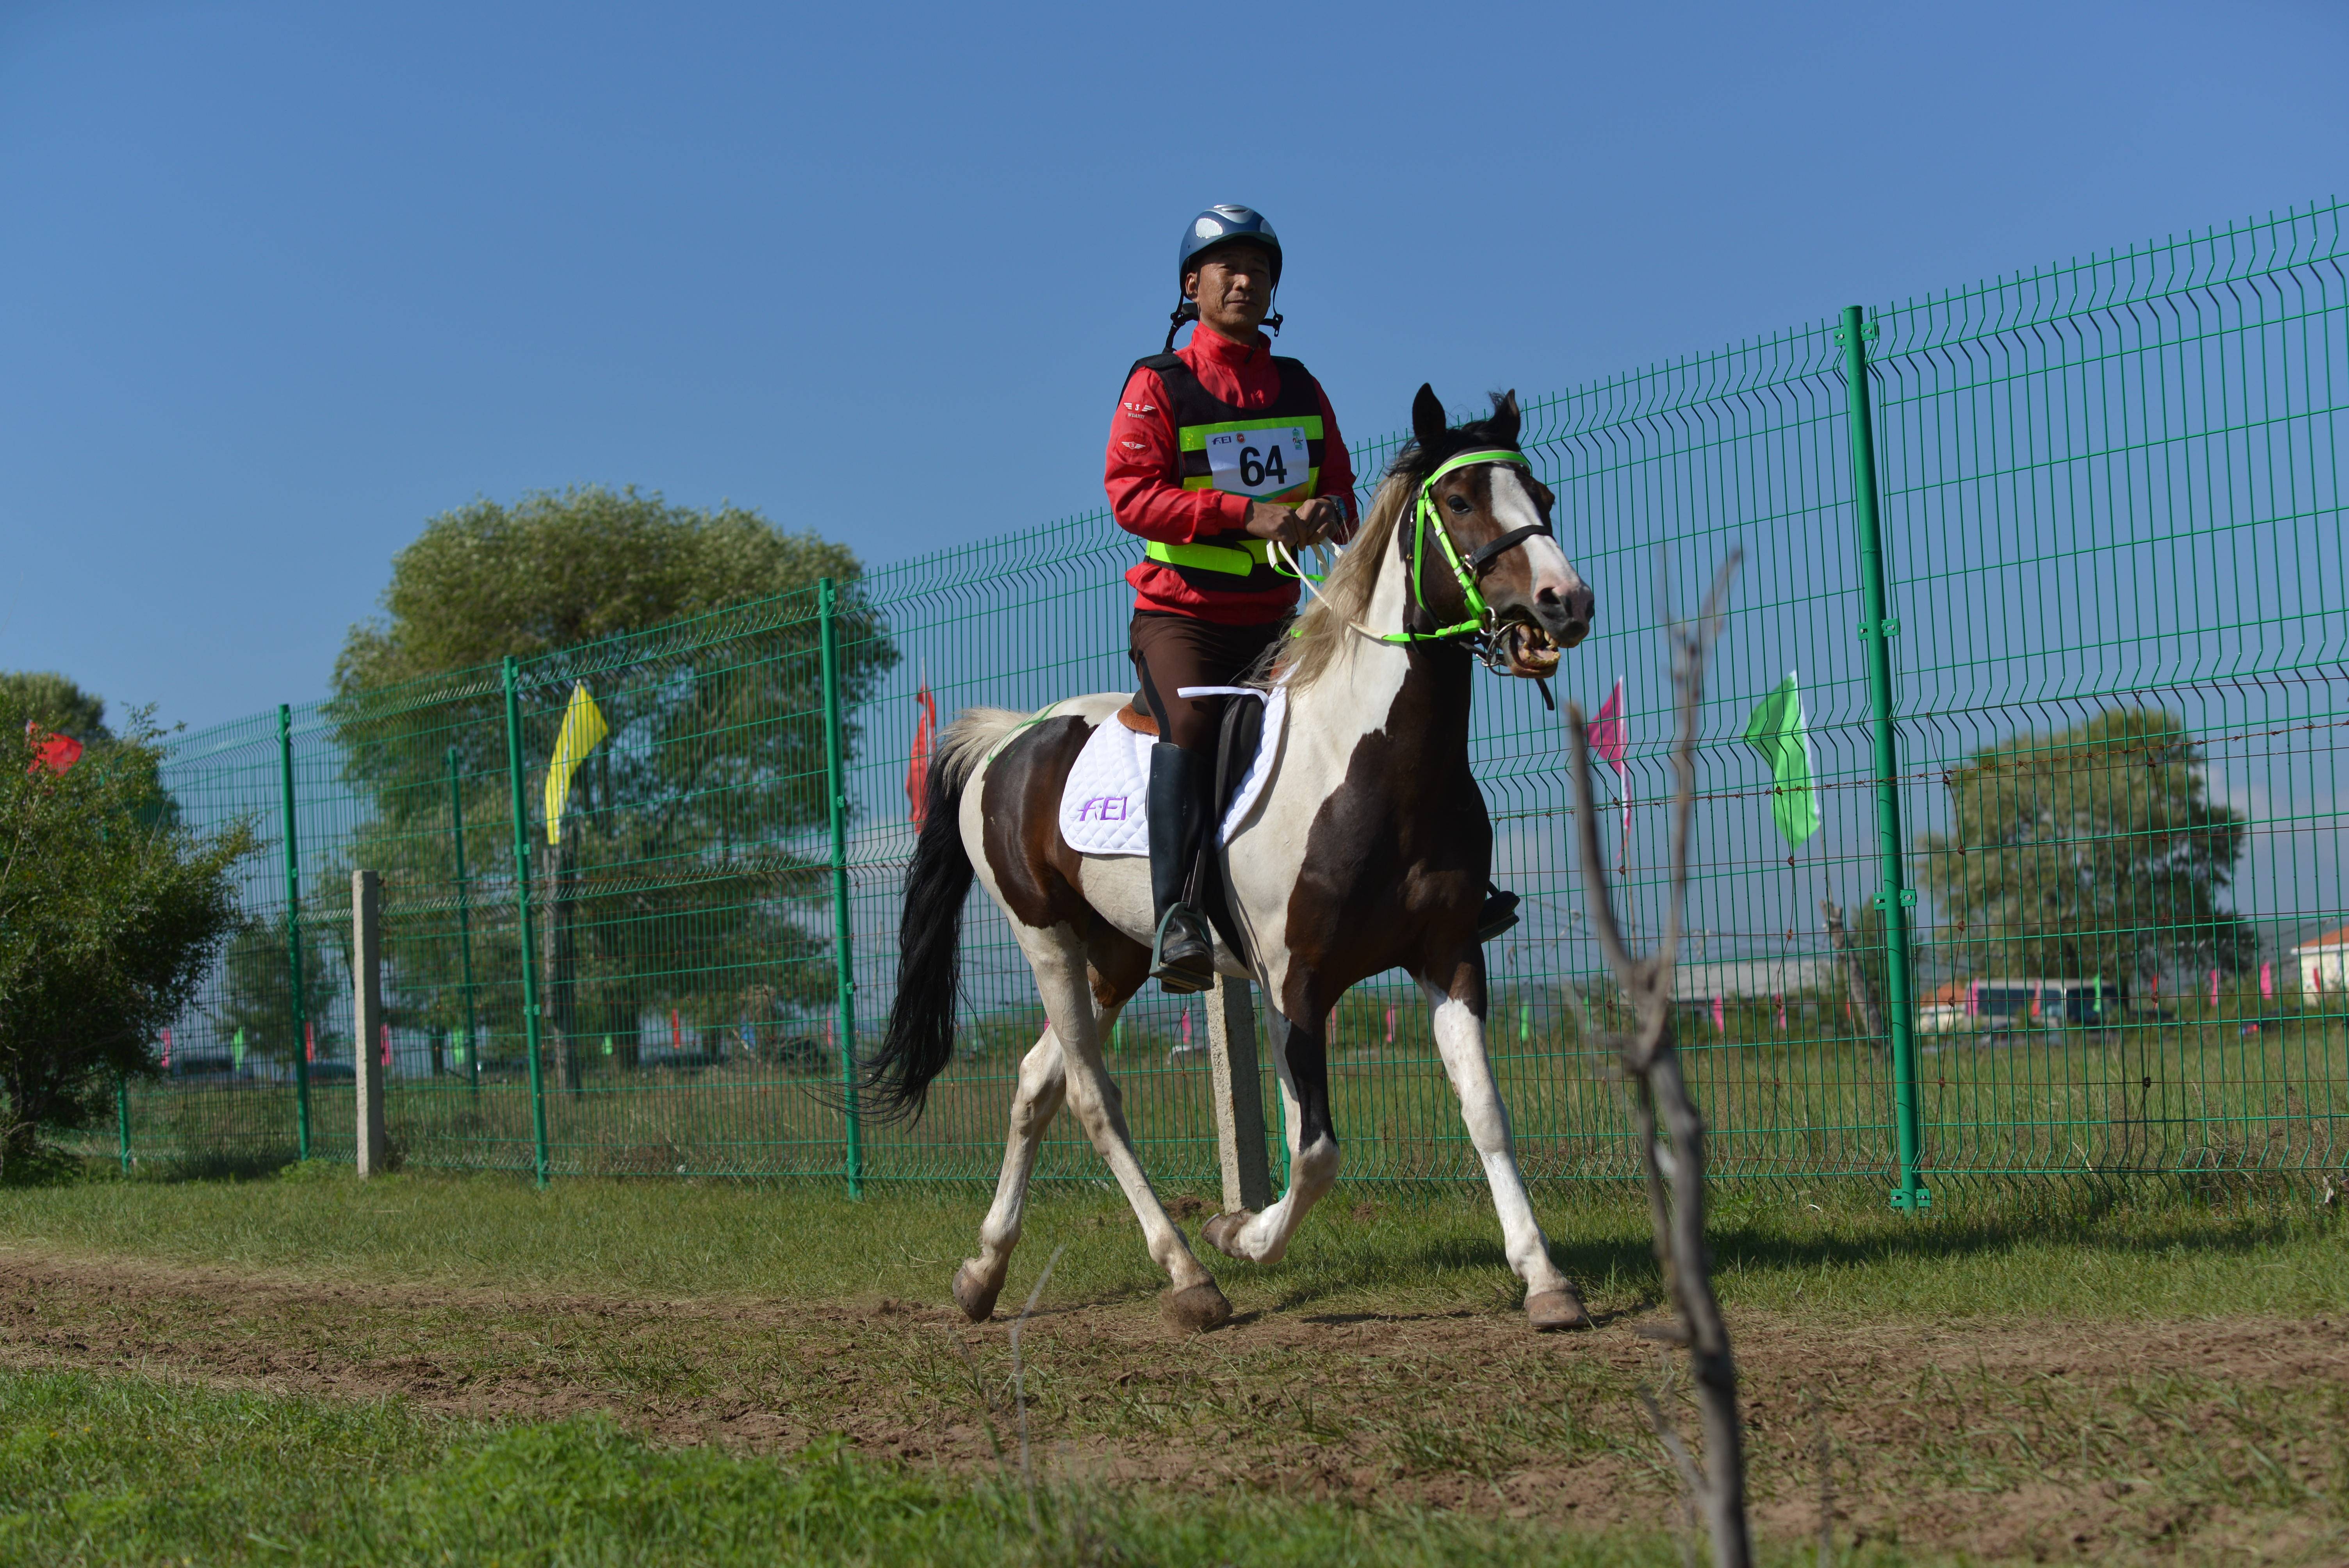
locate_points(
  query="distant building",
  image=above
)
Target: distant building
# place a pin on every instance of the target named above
(1750, 979)
(2324, 965)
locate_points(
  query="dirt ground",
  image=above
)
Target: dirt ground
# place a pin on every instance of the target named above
(2030, 1439)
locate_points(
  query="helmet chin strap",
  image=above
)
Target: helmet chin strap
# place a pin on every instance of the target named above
(1187, 311)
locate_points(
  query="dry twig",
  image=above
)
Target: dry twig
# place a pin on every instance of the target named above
(1672, 1134)
(1019, 1389)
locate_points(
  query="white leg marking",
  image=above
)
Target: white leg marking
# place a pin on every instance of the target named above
(1460, 1038)
(1057, 957)
(1043, 1083)
(1311, 1172)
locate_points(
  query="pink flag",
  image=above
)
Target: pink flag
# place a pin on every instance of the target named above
(167, 1050)
(1606, 729)
(2267, 982)
(383, 1045)
(2214, 987)
(1607, 739)
(1720, 1016)
(1782, 1013)
(1187, 1029)
(1390, 1026)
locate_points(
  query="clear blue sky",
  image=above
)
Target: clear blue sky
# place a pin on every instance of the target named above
(282, 280)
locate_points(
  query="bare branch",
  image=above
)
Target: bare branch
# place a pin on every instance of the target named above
(1671, 1132)
(1019, 1389)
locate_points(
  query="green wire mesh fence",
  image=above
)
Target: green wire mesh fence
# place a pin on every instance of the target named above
(2071, 791)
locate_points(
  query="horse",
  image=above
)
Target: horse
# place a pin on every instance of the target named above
(1367, 849)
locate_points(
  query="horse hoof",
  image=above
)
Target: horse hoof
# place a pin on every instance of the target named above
(1223, 1232)
(1194, 1309)
(1550, 1310)
(974, 1296)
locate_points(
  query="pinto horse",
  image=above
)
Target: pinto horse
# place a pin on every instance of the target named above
(1367, 849)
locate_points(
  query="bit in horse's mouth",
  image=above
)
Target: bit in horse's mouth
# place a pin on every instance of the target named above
(1529, 650)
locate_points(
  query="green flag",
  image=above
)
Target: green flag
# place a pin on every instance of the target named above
(1777, 731)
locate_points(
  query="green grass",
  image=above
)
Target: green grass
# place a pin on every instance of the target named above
(2193, 1096)
(1828, 1248)
(127, 1470)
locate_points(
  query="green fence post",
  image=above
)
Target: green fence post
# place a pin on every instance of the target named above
(836, 781)
(122, 1117)
(465, 925)
(294, 932)
(1877, 629)
(521, 911)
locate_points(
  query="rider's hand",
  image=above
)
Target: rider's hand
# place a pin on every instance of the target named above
(1297, 526)
(1325, 517)
(1269, 519)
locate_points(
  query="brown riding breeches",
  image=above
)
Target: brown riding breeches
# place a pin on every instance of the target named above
(1171, 651)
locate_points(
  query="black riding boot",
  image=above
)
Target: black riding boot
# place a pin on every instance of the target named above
(1183, 958)
(1498, 915)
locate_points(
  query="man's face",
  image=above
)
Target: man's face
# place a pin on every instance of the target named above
(1233, 288)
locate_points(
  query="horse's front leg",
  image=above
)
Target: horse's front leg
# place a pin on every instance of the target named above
(1550, 1298)
(1057, 957)
(1300, 1061)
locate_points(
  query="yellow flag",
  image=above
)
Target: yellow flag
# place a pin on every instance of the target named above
(583, 727)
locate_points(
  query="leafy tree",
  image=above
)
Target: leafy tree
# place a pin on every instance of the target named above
(257, 992)
(110, 916)
(686, 839)
(53, 702)
(2095, 850)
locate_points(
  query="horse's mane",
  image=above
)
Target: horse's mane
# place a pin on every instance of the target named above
(1327, 621)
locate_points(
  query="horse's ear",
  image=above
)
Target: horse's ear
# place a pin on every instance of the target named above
(1504, 416)
(1427, 420)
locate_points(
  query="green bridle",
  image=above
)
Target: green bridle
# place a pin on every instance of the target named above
(1481, 622)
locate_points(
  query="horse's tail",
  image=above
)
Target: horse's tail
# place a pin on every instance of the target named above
(929, 930)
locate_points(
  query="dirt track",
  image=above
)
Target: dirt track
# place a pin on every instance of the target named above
(2003, 1437)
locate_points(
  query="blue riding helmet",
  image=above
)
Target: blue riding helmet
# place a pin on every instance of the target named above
(1220, 225)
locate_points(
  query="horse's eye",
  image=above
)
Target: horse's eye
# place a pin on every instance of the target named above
(1458, 505)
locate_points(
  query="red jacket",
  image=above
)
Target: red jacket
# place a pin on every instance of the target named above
(1145, 489)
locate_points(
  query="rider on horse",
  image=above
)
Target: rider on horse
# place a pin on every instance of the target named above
(1217, 449)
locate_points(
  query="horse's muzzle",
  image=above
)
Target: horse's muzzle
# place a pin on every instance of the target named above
(1566, 614)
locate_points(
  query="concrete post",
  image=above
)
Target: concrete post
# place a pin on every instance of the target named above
(1239, 1096)
(373, 1146)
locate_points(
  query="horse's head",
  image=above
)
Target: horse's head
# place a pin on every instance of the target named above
(1497, 517)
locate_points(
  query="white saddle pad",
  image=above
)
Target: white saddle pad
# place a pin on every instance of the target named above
(1104, 807)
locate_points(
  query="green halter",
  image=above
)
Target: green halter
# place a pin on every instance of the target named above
(1480, 622)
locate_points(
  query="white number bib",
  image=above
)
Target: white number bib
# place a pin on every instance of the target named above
(1263, 460)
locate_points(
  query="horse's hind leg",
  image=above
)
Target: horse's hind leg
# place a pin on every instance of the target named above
(1550, 1298)
(1043, 1083)
(1057, 957)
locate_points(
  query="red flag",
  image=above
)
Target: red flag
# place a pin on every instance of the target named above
(167, 1050)
(309, 1042)
(55, 752)
(917, 770)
